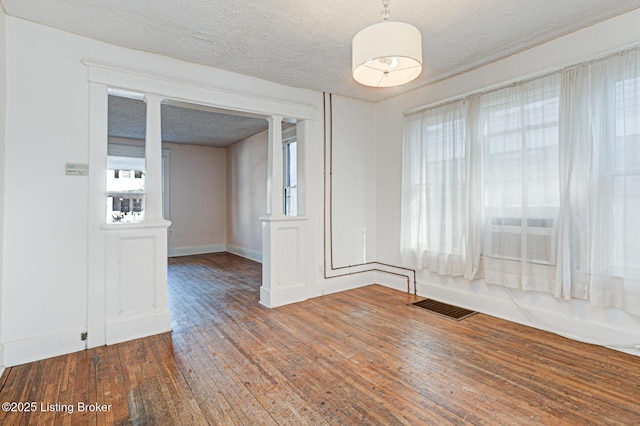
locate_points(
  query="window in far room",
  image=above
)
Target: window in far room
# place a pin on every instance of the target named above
(125, 189)
(126, 182)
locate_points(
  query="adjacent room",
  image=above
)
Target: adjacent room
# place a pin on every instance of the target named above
(365, 212)
(214, 167)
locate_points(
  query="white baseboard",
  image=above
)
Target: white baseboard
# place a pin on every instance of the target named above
(21, 351)
(332, 284)
(337, 283)
(498, 302)
(254, 255)
(394, 281)
(137, 326)
(272, 298)
(190, 251)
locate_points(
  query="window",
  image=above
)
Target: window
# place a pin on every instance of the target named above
(556, 160)
(434, 178)
(125, 198)
(125, 189)
(521, 171)
(622, 175)
(290, 164)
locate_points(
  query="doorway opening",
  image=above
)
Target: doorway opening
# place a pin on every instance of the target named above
(129, 225)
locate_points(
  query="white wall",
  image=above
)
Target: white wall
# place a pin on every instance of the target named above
(354, 179)
(198, 192)
(246, 195)
(45, 275)
(573, 318)
(44, 304)
(352, 204)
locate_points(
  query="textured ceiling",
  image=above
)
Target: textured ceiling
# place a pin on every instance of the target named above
(307, 43)
(303, 43)
(194, 126)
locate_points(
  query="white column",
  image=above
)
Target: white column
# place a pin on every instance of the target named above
(98, 131)
(153, 154)
(283, 237)
(274, 168)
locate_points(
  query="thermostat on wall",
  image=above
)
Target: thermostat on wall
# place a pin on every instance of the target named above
(76, 169)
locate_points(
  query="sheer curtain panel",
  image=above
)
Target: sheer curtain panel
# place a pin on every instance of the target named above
(520, 138)
(614, 262)
(433, 192)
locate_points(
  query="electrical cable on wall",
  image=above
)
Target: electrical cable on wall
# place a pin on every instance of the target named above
(329, 216)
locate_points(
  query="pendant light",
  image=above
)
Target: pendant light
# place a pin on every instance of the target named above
(388, 53)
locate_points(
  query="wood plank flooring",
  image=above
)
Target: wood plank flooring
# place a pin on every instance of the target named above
(361, 357)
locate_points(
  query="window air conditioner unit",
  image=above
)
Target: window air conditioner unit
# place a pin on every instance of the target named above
(505, 239)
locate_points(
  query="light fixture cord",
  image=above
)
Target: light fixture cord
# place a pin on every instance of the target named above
(385, 10)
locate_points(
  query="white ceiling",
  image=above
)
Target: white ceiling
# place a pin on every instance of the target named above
(191, 124)
(307, 43)
(303, 43)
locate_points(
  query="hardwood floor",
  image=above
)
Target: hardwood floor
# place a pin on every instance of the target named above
(358, 357)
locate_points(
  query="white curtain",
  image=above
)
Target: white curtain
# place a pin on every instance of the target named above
(474, 214)
(534, 186)
(600, 258)
(433, 192)
(520, 136)
(576, 185)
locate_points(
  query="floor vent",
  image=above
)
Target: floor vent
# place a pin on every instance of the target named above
(449, 311)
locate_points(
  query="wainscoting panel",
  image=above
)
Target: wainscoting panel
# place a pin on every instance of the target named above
(136, 290)
(284, 261)
(136, 283)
